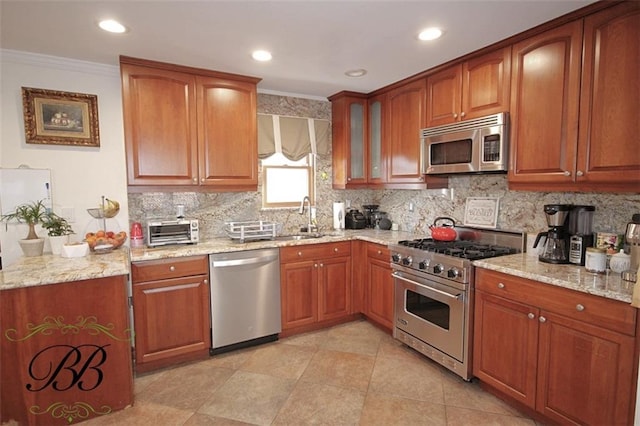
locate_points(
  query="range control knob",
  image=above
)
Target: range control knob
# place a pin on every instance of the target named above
(395, 258)
(406, 261)
(453, 272)
(437, 269)
(423, 264)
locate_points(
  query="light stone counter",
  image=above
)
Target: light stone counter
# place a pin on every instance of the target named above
(608, 285)
(225, 244)
(51, 269)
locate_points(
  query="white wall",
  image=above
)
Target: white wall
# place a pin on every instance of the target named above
(79, 175)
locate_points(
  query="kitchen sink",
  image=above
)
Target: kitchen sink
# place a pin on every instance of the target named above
(305, 236)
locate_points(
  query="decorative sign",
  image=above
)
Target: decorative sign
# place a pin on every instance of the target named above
(481, 212)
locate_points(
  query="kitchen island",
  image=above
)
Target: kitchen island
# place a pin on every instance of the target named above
(65, 345)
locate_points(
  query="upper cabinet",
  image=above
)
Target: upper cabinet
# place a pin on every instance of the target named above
(188, 129)
(575, 127)
(472, 89)
(350, 145)
(376, 139)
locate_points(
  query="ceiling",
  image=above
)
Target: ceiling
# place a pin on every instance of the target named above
(313, 42)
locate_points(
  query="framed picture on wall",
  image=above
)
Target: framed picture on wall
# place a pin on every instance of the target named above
(52, 117)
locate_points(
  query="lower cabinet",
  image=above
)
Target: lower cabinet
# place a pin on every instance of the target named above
(378, 286)
(171, 310)
(315, 284)
(569, 356)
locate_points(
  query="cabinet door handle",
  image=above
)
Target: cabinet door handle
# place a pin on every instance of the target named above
(542, 319)
(567, 173)
(206, 281)
(500, 285)
(531, 315)
(172, 268)
(322, 265)
(315, 265)
(462, 114)
(455, 115)
(195, 180)
(579, 307)
(202, 180)
(579, 173)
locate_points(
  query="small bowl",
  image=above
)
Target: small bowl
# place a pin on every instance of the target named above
(105, 244)
(74, 249)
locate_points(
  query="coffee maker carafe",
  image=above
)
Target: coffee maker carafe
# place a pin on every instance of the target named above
(556, 246)
(581, 230)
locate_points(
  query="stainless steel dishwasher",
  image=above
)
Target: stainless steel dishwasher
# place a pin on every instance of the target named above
(245, 298)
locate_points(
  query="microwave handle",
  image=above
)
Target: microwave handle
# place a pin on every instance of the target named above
(423, 169)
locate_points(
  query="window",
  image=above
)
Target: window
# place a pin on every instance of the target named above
(285, 183)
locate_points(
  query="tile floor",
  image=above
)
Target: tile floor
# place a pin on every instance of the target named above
(352, 374)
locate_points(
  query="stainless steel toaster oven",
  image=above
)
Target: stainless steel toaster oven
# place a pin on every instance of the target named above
(175, 231)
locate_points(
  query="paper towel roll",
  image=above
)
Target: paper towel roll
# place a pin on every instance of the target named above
(338, 215)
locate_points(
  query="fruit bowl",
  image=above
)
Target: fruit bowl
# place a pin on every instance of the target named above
(105, 241)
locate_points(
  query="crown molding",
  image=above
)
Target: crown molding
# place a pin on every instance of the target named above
(65, 64)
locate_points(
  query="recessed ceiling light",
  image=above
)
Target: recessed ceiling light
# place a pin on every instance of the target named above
(112, 26)
(261, 55)
(356, 73)
(430, 34)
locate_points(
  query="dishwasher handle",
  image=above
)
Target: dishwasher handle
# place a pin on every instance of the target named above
(241, 262)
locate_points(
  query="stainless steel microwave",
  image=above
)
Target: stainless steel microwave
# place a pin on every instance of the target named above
(175, 231)
(471, 146)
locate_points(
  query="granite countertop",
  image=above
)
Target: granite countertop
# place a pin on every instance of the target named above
(225, 244)
(51, 269)
(608, 285)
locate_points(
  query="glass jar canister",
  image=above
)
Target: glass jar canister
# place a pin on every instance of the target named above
(595, 260)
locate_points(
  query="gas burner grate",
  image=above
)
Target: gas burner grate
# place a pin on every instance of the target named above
(463, 249)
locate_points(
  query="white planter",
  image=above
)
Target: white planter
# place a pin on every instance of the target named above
(32, 248)
(57, 242)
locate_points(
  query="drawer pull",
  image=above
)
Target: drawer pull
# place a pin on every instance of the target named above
(172, 268)
(542, 319)
(500, 285)
(531, 315)
(299, 253)
(335, 249)
(579, 307)
(379, 251)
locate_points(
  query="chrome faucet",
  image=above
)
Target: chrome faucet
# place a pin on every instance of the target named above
(310, 225)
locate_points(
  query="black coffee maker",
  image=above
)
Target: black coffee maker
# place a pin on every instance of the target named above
(556, 245)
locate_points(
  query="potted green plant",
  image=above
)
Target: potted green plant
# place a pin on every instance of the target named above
(31, 214)
(58, 230)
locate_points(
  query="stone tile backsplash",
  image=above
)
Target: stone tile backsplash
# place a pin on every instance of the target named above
(519, 210)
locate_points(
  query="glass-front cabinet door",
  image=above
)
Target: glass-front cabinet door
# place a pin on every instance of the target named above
(376, 162)
(357, 141)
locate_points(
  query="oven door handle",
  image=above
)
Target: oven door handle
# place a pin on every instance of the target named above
(435, 290)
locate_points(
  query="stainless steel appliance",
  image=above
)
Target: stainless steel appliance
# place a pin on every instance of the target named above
(471, 146)
(245, 298)
(556, 246)
(172, 231)
(581, 230)
(632, 240)
(433, 291)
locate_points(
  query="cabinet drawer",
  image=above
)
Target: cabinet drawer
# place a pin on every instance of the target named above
(378, 251)
(151, 270)
(599, 311)
(315, 251)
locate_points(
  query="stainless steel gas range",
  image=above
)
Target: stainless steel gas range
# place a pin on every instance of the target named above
(433, 290)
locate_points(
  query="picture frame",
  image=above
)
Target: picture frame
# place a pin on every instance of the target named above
(481, 212)
(53, 117)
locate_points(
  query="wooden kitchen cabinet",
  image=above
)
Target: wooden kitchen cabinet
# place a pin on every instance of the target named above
(574, 114)
(471, 89)
(378, 286)
(315, 284)
(350, 151)
(171, 310)
(187, 128)
(569, 356)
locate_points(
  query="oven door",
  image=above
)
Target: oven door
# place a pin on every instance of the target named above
(431, 311)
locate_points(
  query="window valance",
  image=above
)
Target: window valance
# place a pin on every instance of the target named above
(294, 137)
